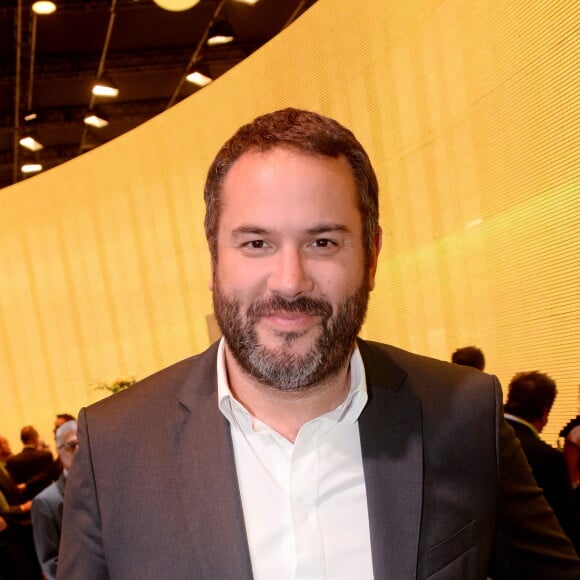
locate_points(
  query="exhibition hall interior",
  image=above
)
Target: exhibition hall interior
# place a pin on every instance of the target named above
(112, 111)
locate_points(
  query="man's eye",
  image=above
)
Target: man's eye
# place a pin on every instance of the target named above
(255, 244)
(323, 243)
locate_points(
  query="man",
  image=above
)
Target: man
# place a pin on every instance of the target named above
(56, 469)
(10, 497)
(529, 402)
(47, 505)
(32, 466)
(62, 418)
(5, 450)
(469, 356)
(291, 449)
(7, 486)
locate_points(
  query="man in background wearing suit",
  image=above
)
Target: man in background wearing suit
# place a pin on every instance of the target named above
(31, 468)
(292, 449)
(529, 402)
(47, 505)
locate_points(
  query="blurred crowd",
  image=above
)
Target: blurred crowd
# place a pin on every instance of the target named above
(530, 397)
(32, 485)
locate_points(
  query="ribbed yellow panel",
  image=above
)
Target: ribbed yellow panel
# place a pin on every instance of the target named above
(469, 111)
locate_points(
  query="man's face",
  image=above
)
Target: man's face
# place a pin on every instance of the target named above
(290, 285)
(67, 449)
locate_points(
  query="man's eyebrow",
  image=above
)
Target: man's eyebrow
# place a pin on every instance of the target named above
(249, 229)
(328, 228)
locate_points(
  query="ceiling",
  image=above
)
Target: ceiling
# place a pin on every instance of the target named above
(48, 65)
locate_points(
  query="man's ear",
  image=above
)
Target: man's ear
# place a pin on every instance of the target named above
(377, 244)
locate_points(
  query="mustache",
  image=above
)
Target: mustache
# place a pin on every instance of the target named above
(302, 304)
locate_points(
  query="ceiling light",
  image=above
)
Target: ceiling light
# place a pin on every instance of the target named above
(249, 2)
(95, 121)
(198, 79)
(220, 33)
(30, 117)
(104, 88)
(30, 143)
(31, 168)
(43, 7)
(176, 5)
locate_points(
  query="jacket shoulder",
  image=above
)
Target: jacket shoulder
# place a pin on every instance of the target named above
(49, 495)
(156, 390)
(420, 373)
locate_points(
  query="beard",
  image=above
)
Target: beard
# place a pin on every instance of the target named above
(281, 367)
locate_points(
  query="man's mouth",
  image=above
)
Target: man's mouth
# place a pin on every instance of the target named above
(283, 320)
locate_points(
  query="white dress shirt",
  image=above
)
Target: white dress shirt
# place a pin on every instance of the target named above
(304, 503)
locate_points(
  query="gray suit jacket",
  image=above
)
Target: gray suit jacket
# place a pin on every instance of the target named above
(46, 515)
(153, 491)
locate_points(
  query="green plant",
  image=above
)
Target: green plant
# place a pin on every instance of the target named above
(116, 386)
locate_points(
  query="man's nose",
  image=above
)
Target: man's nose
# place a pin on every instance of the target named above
(290, 275)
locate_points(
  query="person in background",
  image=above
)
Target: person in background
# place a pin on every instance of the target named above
(62, 418)
(571, 435)
(291, 448)
(19, 508)
(469, 356)
(529, 401)
(31, 468)
(17, 557)
(56, 469)
(8, 488)
(47, 505)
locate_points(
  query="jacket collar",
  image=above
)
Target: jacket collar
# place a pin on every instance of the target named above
(205, 476)
(392, 448)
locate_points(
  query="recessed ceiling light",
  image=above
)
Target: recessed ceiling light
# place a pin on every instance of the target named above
(30, 143)
(31, 168)
(30, 117)
(220, 33)
(95, 121)
(104, 88)
(219, 39)
(249, 2)
(44, 7)
(198, 79)
(176, 5)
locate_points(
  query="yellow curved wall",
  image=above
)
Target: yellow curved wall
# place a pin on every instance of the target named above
(469, 111)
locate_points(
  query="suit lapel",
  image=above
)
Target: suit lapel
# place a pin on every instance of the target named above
(392, 448)
(206, 481)
(206, 477)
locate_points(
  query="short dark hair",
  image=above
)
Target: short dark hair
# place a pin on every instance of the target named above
(309, 133)
(530, 395)
(66, 417)
(28, 435)
(469, 356)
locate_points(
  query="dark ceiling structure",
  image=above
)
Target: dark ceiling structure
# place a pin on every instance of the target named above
(49, 64)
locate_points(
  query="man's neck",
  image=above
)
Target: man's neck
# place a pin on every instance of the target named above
(286, 411)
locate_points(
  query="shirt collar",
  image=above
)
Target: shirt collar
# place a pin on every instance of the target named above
(522, 422)
(348, 411)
